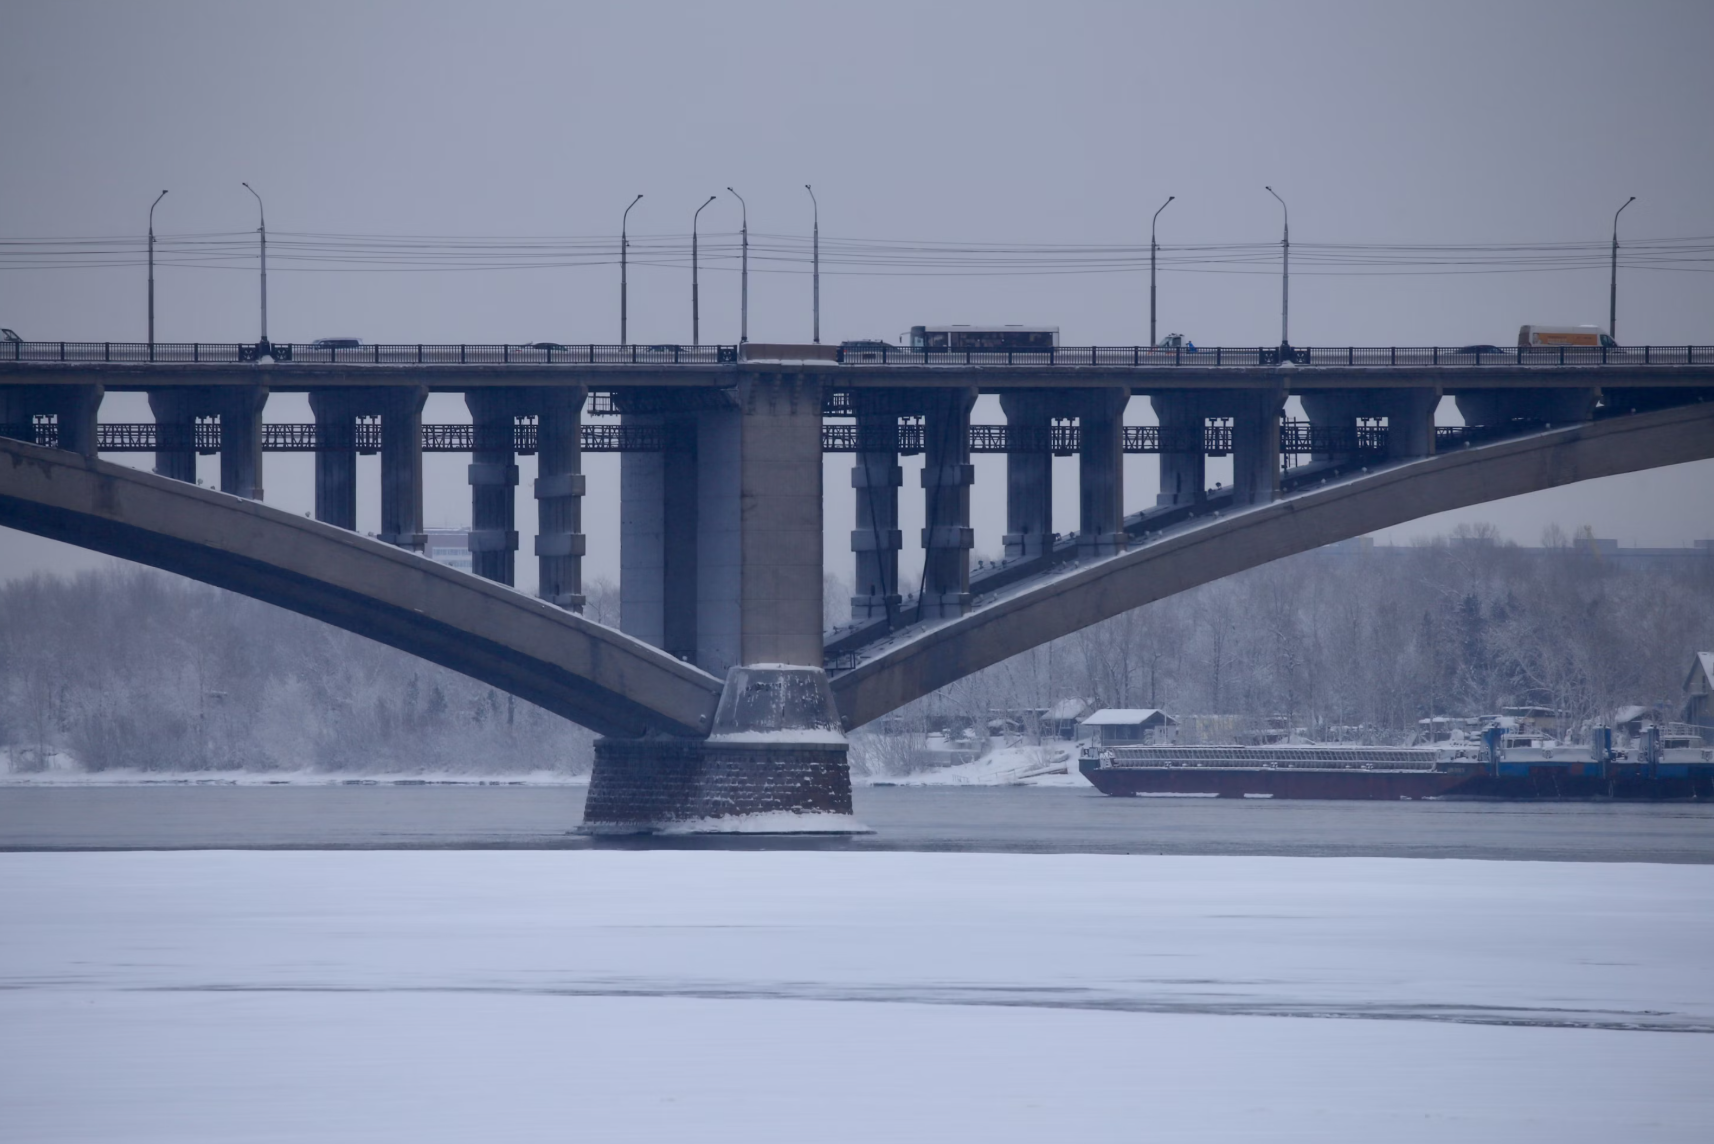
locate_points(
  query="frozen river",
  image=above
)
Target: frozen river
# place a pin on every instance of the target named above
(1000, 819)
(219, 996)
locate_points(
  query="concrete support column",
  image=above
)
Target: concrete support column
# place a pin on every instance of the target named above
(1101, 473)
(680, 494)
(74, 407)
(642, 519)
(1256, 445)
(1538, 406)
(780, 500)
(1410, 423)
(1334, 414)
(402, 466)
(1183, 461)
(876, 479)
(240, 410)
(175, 412)
(559, 496)
(336, 412)
(493, 476)
(1029, 473)
(947, 475)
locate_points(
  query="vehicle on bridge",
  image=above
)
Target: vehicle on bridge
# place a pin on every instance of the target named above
(1593, 337)
(336, 343)
(983, 339)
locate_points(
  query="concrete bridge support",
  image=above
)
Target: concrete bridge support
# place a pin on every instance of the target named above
(876, 479)
(1409, 414)
(1256, 445)
(659, 536)
(493, 476)
(240, 413)
(175, 412)
(1543, 406)
(1101, 472)
(776, 748)
(73, 407)
(947, 475)
(559, 496)
(402, 467)
(1183, 459)
(336, 412)
(1029, 473)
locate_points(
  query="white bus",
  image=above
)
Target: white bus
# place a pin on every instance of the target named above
(983, 339)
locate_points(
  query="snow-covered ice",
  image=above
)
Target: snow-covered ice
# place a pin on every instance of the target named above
(762, 996)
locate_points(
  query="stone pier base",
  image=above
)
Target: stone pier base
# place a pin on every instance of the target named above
(775, 764)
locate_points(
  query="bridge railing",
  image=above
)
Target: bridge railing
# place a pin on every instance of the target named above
(669, 354)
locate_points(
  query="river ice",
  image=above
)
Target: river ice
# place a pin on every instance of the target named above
(698, 995)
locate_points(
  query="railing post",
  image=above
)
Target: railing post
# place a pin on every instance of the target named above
(461, 353)
(1436, 353)
(1350, 355)
(1395, 354)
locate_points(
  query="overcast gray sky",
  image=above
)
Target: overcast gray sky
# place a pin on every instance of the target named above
(995, 122)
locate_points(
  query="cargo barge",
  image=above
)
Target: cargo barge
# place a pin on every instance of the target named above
(1669, 769)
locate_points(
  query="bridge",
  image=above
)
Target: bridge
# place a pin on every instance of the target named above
(720, 695)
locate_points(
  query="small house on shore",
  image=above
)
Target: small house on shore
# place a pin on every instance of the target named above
(1128, 726)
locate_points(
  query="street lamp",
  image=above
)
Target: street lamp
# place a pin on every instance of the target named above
(152, 206)
(624, 244)
(262, 229)
(695, 315)
(743, 271)
(1153, 247)
(1613, 285)
(815, 256)
(1285, 270)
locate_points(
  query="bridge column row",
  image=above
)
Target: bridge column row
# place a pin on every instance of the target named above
(1409, 414)
(876, 478)
(947, 475)
(400, 410)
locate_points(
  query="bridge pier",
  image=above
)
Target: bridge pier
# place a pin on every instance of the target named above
(402, 466)
(947, 475)
(175, 412)
(74, 407)
(753, 491)
(1101, 472)
(493, 476)
(1183, 456)
(1542, 406)
(240, 412)
(1029, 472)
(336, 412)
(559, 496)
(659, 530)
(1256, 445)
(1409, 414)
(876, 477)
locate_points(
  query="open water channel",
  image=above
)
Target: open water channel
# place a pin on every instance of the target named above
(993, 819)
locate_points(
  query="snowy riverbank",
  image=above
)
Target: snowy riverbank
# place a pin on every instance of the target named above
(432, 996)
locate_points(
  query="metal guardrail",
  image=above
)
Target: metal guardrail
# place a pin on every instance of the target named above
(1136, 357)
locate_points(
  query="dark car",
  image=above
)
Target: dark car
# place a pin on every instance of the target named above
(545, 346)
(336, 343)
(1481, 349)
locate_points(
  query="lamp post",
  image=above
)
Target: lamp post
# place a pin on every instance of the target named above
(1613, 284)
(815, 258)
(1285, 270)
(743, 270)
(152, 206)
(262, 229)
(1153, 247)
(695, 314)
(624, 244)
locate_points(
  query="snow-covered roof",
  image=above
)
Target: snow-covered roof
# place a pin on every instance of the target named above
(1705, 664)
(1127, 717)
(1630, 712)
(1067, 709)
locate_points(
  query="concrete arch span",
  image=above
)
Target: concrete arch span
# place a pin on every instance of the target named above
(584, 671)
(1070, 600)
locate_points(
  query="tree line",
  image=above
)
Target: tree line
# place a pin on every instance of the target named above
(131, 668)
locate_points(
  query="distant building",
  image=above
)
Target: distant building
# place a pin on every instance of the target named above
(448, 546)
(1132, 726)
